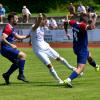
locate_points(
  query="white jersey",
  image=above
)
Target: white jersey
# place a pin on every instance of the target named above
(42, 48)
(37, 38)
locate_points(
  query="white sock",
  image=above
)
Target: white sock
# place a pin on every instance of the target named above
(54, 74)
(68, 79)
(64, 62)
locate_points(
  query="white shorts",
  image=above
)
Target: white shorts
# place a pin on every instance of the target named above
(44, 55)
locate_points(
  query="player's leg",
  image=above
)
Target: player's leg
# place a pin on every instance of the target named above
(65, 62)
(44, 58)
(13, 66)
(55, 55)
(81, 61)
(92, 62)
(7, 53)
(74, 75)
(54, 73)
(17, 58)
(21, 63)
(7, 74)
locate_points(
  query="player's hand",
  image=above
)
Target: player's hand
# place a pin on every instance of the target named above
(13, 46)
(69, 36)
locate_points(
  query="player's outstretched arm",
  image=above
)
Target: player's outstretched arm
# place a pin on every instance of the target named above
(17, 36)
(37, 22)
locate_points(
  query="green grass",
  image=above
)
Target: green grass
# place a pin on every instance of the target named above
(43, 87)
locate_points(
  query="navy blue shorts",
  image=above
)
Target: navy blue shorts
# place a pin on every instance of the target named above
(82, 57)
(9, 52)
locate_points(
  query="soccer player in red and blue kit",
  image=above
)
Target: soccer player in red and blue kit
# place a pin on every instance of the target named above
(9, 49)
(80, 46)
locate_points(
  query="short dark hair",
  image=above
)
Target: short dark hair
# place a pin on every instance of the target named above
(11, 15)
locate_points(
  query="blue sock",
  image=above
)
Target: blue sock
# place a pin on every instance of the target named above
(93, 63)
(21, 64)
(73, 75)
(11, 69)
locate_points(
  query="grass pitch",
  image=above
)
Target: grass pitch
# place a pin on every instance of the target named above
(43, 87)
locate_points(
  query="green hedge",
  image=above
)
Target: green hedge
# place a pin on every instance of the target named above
(45, 5)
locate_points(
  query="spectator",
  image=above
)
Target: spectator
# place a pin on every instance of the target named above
(61, 23)
(2, 13)
(89, 8)
(93, 16)
(25, 14)
(53, 24)
(71, 9)
(81, 9)
(48, 23)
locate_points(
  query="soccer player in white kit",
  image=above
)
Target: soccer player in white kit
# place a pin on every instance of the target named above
(42, 49)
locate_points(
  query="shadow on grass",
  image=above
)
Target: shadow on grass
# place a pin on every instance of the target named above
(41, 84)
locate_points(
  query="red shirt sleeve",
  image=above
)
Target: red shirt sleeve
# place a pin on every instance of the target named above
(7, 30)
(82, 26)
(72, 22)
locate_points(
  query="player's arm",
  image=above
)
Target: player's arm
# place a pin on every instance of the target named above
(68, 22)
(66, 25)
(4, 36)
(37, 23)
(66, 29)
(6, 32)
(90, 25)
(17, 36)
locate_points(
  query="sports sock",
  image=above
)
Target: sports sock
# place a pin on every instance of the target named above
(92, 63)
(21, 64)
(54, 74)
(11, 69)
(73, 75)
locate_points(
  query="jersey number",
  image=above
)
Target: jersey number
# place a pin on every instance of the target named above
(75, 36)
